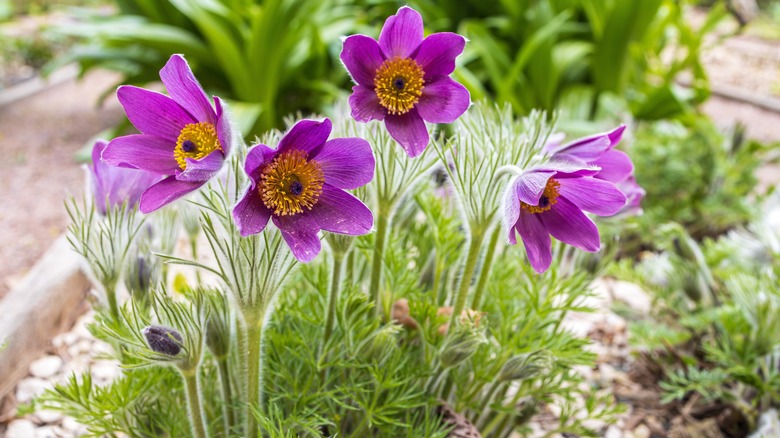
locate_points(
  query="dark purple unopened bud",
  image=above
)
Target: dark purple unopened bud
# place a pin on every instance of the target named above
(163, 339)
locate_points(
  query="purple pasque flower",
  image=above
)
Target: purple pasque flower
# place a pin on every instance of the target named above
(634, 195)
(596, 150)
(111, 186)
(182, 135)
(404, 79)
(301, 185)
(551, 200)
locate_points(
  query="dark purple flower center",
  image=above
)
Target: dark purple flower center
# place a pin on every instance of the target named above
(296, 188)
(188, 146)
(291, 183)
(544, 201)
(399, 84)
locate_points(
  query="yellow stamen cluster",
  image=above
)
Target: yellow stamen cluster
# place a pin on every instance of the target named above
(546, 201)
(398, 84)
(291, 183)
(196, 140)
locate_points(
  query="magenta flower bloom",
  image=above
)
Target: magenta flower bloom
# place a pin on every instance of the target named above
(182, 135)
(597, 150)
(301, 185)
(550, 201)
(404, 80)
(634, 195)
(111, 186)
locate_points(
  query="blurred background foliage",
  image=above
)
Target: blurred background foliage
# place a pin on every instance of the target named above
(276, 57)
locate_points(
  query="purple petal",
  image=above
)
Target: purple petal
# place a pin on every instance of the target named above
(634, 195)
(409, 131)
(203, 169)
(224, 131)
(362, 58)
(153, 113)
(569, 224)
(594, 195)
(590, 148)
(402, 33)
(258, 157)
(347, 163)
(567, 166)
(339, 212)
(443, 100)
(250, 214)
(165, 192)
(306, 135)
(531, 184)
(438, 52)
(615, 166)
(185, 89)
(139, 151)
(300, 233)
(365, 104)
(536, 241)
(511, 205)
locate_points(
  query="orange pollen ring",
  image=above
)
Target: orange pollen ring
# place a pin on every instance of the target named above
(291, 183)
(546, 201)
(196, 140)
(398, 84)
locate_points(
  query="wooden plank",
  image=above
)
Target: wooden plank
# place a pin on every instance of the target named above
(46, 302)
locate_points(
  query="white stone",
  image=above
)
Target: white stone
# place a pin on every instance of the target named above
(641, 431)
(631, 294)
(83, 346)
(579, 327)
(613, 432)
(48, 417)
(46, 366)
(768, 425)
(105, 371)
(47, 432)
(29, 388)
(20, 429)
(70, 424)
(65, 340)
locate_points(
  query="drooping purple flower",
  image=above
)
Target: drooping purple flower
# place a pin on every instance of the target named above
(404, 79)
(182, 135)
(551, 201)
(111, 186)
(301, 185)
(598, 150)
(634, 195)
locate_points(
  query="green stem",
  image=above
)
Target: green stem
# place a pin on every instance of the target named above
(194, 251)
(334, 296)
(227, 395)
(254, 333)
(485, 272)
(483, 409)
(379, 252)
(113, 306)
(468, 274)
(192, 388)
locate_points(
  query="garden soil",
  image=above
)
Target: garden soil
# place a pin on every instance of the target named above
(39, 138)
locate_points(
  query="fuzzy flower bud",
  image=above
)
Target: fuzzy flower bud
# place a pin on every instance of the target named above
(381, 344)
(461, 345)
(163, 340)
(217, 337)
(524, 366)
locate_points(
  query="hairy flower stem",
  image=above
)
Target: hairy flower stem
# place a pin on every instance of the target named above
(192, 388)
(254, 334)
(194, 251)
(113, 305)
(335, 285)
(484, 273)
(483, 409)
(475, 245)
(227, 394)
(382, 213)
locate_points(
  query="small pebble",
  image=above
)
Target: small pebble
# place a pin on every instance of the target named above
(47, 432)
(613, 432)
(20, 429)
(70, 424)
(48, 417)
(46, 366)
(104, 371)
(29, 388)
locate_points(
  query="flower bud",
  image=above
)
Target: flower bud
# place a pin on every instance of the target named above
(461, 345)
(381, 344)
(400, 314)
(524, 366)
(163, 340)
(217, 337)
(138, 278)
